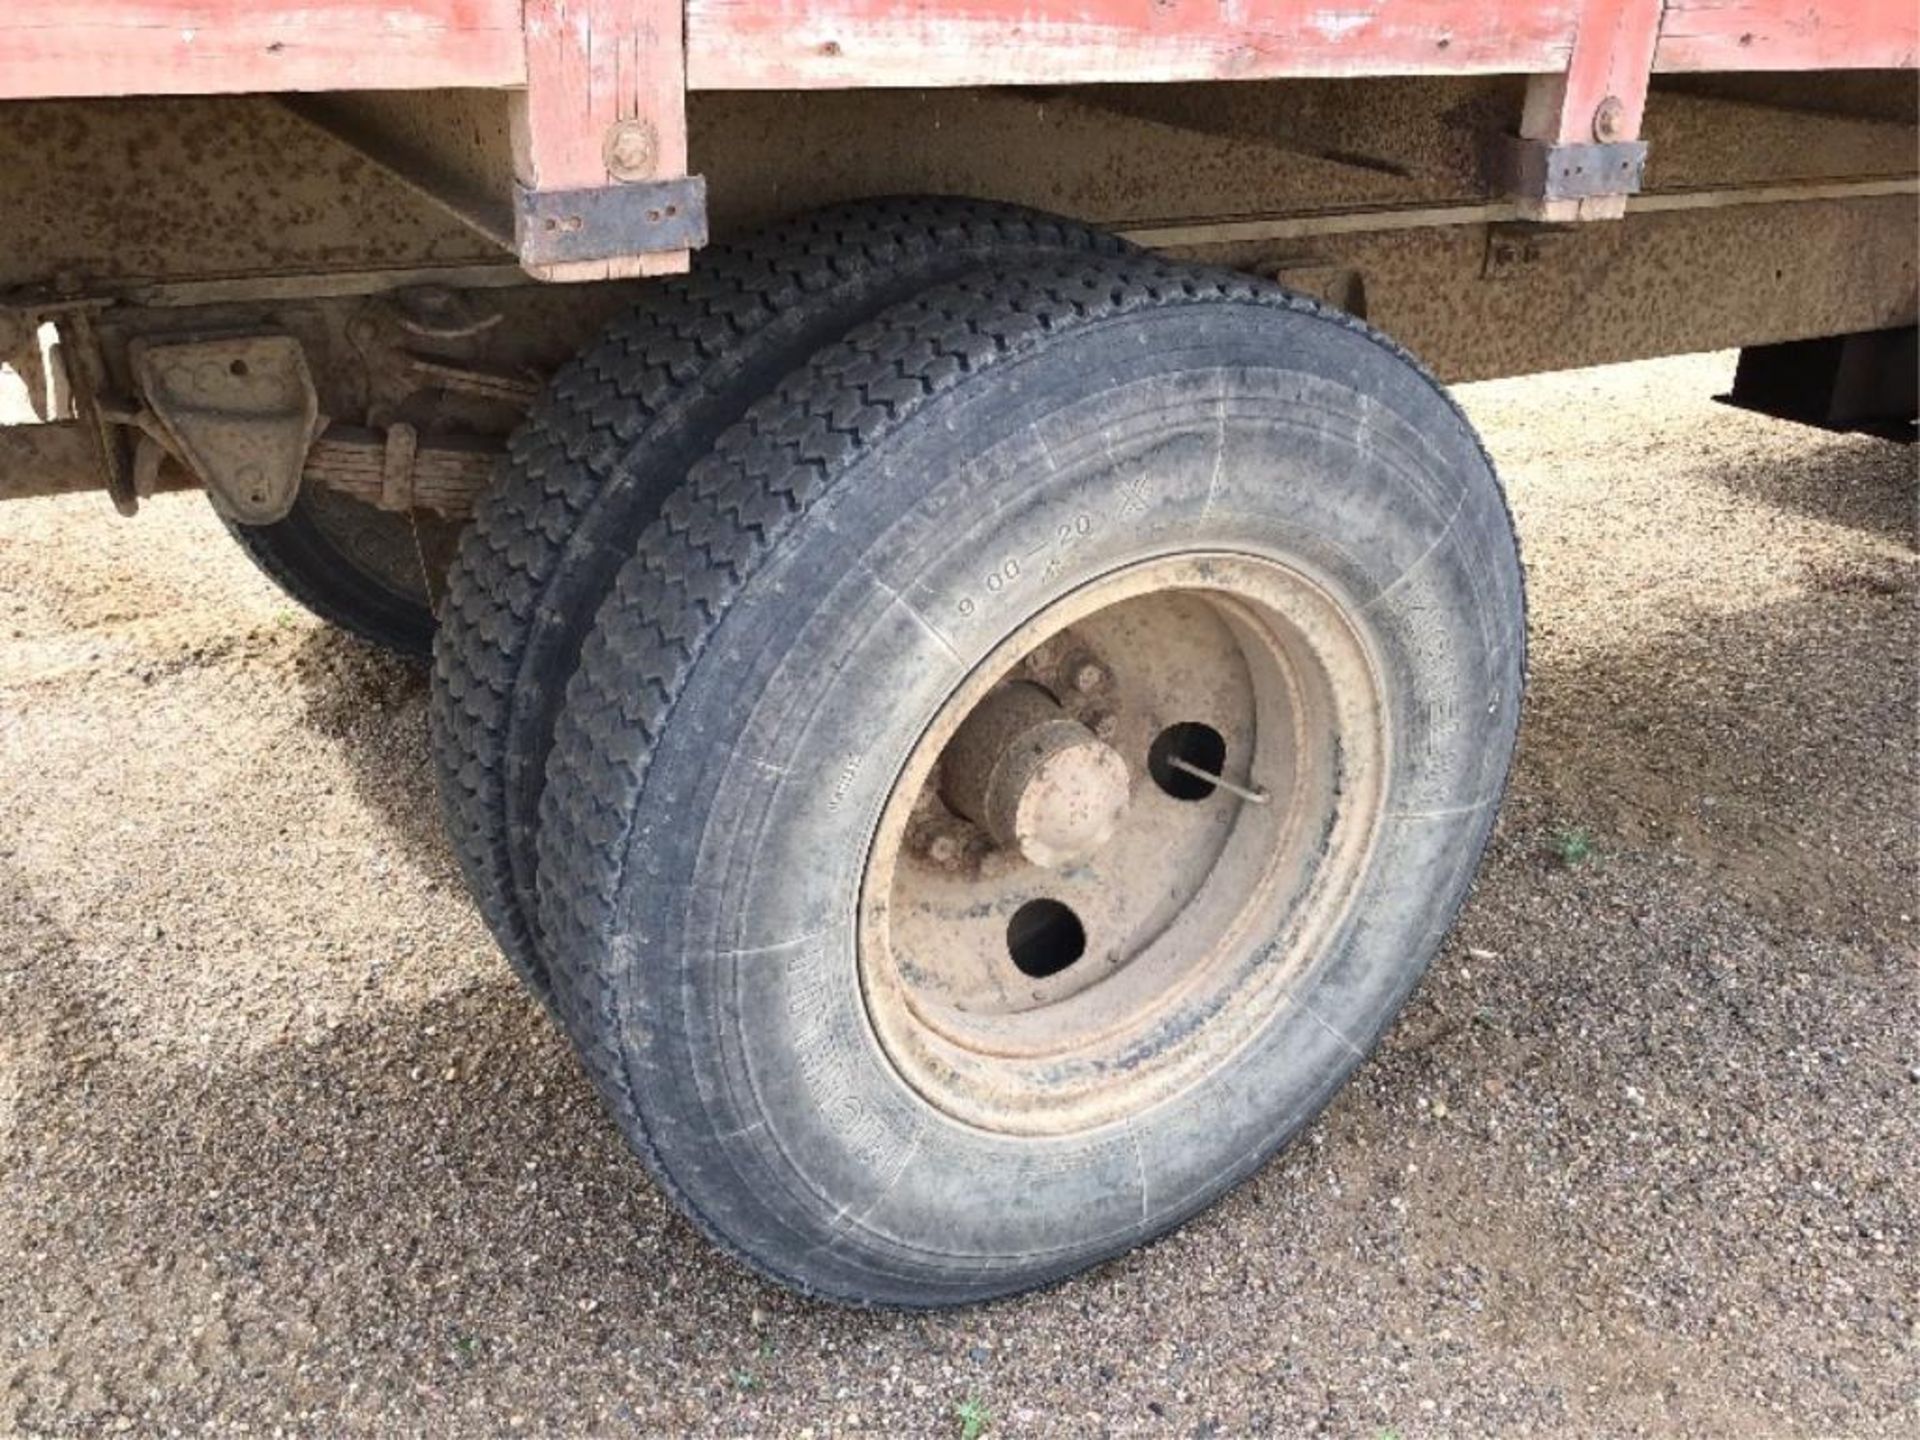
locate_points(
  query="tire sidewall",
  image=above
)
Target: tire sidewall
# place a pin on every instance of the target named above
(1274, 432)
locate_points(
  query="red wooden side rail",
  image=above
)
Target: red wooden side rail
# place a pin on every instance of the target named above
(54, 48)
(161, 47)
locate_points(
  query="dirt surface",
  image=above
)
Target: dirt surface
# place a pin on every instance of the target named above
(282, 1147)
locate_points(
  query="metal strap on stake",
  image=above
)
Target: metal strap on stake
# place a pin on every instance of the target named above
(553, 227)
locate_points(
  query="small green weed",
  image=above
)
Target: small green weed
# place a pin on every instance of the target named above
(1572, 845)
(973, 1418)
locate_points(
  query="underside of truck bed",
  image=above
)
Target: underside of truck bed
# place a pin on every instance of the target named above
(1773, 208)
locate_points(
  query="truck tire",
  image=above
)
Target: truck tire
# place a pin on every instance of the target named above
(354, 566)
(613, 437)
(894, 983)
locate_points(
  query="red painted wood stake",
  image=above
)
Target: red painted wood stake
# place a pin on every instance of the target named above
(1598, 99)
(605, 104)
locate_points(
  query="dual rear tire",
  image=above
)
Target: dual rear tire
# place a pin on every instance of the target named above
(889, 1038)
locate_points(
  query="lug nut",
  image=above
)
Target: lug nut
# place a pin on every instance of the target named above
(997, 865)
(944, 850)
(1088, 677)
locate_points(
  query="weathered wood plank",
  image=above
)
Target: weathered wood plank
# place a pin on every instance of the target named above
(51, 49)
(1612, 52)
(111, 47)
(801, 44)
(1789, 35)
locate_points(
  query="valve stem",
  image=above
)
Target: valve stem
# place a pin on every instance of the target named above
(1252, 797)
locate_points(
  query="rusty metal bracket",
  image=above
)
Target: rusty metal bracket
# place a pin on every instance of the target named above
(240, 412)
(95, 407)
(1514, 247)
(1543, 170)
(604, 222)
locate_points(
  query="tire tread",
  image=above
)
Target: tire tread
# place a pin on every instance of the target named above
(662, 381)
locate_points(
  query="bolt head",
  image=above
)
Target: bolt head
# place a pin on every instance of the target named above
(1610, 120)
(630, 150)
(1088, 677)
(944, 851)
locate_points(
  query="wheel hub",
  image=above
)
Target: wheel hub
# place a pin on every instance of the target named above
(1118, 840)
(1037, 780)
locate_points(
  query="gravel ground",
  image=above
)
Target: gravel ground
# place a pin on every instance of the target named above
(282, 1148)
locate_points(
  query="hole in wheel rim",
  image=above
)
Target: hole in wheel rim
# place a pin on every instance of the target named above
(1044, 937)
(1200, 746)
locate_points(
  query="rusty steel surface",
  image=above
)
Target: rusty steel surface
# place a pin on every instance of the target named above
(1043, 993)
(1474, 300)
(1775, 208)
(596, 92)
(145, 191)
(1663, 283)
(177, 188)
(428, 164)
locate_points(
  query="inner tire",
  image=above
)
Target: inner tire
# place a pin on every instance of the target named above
(609, 442)
(855, 554)
(354, 566)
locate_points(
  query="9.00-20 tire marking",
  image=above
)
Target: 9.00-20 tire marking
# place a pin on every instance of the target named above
(1011, 568)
